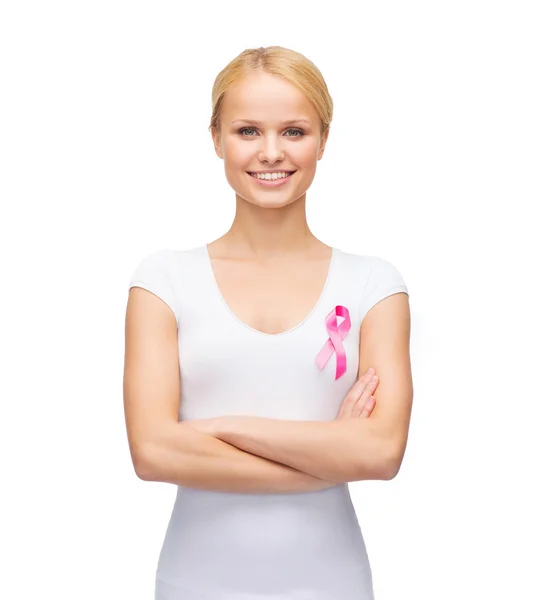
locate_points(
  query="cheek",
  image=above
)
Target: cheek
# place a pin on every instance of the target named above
(305, 154)
(238, 154)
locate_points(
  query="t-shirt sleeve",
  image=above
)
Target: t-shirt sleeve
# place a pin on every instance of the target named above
(155, 273)
(383, 279)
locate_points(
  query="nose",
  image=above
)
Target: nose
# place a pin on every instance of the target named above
(271, 150)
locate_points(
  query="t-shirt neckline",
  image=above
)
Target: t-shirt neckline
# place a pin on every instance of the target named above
(207, 260)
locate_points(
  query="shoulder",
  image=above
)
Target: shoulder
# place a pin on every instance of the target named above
(370, 267)
(156, 273)
(167, 273)
(383, 270)
(377, 279)
(164, 260)
(157, 259)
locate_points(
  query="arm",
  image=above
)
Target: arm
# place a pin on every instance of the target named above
(385, 346)
(329, 450)
(161, 448)
(184, 456)
(346, 449)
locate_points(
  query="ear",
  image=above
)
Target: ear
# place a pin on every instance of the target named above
(324, 139)
(216, 137)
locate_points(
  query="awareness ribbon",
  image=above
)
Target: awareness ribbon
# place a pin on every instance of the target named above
(336, 334)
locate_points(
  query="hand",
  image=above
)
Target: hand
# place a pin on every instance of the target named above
(209, 426)
(359, 402)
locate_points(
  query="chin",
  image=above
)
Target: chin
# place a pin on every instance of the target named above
(278, 203)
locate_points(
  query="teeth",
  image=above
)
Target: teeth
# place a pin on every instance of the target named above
(270, 176)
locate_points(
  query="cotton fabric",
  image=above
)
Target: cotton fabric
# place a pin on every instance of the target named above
(227, 546)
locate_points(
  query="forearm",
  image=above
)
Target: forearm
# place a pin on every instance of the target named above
(339, 451)
(187, 457)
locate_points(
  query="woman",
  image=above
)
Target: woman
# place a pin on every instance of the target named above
(248, 378)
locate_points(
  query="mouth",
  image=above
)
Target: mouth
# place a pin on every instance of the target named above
(278, 181)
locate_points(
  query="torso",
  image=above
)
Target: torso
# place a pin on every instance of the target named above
(275, 297)
(293, 545)
(257, 356)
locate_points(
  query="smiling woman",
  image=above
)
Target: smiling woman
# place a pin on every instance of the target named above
(271, 113)
(242, 387)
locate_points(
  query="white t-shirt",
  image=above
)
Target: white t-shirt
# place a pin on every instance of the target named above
(226, 546)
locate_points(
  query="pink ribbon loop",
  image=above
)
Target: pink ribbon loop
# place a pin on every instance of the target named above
(336, 334)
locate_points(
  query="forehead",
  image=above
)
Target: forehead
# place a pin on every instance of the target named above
(265, 97)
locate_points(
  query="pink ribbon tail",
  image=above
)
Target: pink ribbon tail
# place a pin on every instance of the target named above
(336, 334)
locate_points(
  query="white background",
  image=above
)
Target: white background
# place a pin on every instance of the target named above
(434, 162)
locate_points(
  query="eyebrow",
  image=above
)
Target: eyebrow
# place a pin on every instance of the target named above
(290, 122)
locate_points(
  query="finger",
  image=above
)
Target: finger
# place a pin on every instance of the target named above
(368, 407)
(356, 392)
(363, 399)
(352, 397)
(363, 409)
(349, 399)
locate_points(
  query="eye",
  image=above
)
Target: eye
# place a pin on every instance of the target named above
(297, 131)
(292, 129)
(245, 129)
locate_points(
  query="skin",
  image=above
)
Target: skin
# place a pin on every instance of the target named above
(270, 223)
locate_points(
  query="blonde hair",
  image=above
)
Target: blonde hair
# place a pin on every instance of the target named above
(275, 60)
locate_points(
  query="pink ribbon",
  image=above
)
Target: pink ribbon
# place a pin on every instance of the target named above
(336, 334)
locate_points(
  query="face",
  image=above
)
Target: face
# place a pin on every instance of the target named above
(255, 136)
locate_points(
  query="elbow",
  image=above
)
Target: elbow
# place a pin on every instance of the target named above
(390, 472)
(144, 473)
(374, 468)
(143, 464)
(384, 467)
(392, 464)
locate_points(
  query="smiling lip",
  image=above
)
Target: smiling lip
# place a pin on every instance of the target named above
(272, 183)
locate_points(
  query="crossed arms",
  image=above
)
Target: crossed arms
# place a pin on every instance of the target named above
(254, 454)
